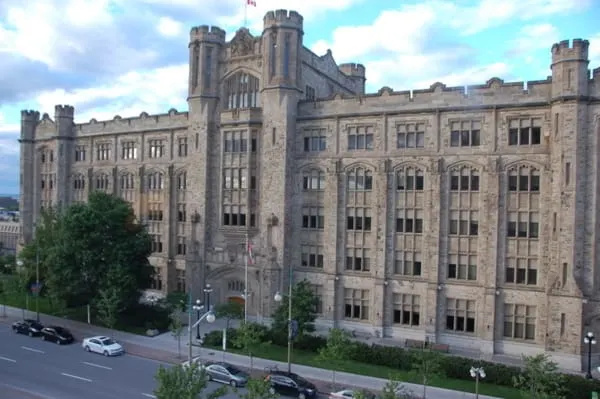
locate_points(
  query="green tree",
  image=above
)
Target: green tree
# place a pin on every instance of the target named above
(304, 306)
(257, 388)
(177, 301)
(393, 389)
(230, 311)
(111, 300)
(249, 336)
(79, 245)
(184, 382)
(337, 349)
(177, 330)
(540, 379)
(427, 364)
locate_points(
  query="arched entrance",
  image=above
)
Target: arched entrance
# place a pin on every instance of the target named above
(236, 299)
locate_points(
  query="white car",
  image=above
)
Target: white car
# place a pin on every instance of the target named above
(349, 394)
(104, 345)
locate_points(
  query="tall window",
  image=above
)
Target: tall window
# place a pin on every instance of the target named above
(356, 304)
(242, 91)
(358, 219)
(359, 179)
(155, 185)
(465, 134)
(180, 276)
(313, 217)
(313, 180)
(102, 182)
(315, 140)
(128, 150)
(525, 131)
(358, 259)
(460, 315)
(156, 148)
(409, 225)
(519, 321)
(312, 256)
(182, 216)
(127, 186)
(236, 141)
(463, 226)
(80, 153)
(319, 293)
(410, 135)
(408, 263)
(235, 178)
(523, 225)
(156, 283)
(79, 188)
(407, 310)
(410, 179)
(360, 138)
(182, 147)
(310, 93)
(208, 61)
(286, 55)
(103, 152)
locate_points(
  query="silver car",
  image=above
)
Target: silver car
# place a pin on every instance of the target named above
(225, 373)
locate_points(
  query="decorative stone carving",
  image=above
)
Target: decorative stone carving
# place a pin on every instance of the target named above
(242, 43)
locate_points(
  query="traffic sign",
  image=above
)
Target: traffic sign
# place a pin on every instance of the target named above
(294, 328)
(36, 288)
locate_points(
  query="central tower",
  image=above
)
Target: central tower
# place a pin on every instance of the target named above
(282, 46)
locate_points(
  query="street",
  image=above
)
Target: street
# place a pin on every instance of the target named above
(33, 369)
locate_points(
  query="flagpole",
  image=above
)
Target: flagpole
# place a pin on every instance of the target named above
(246, 279)
(245, 13)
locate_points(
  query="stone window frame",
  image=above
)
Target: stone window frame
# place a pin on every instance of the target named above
(461, 308)
(358, 260)
(310, 93)
(361, 137)
(515, 314)
(129, 150)
(408, 263)
(80, 153)
(236, 286)
(180, 280)
(313, 179)
(181, 248)
(410, 178)
(127, 186)
(157, 282)
(102, 182)
(406, 309)
(465, 132)
(235, 178)
(234, 215)
(408, 129)
(460, 269)
(319, 293)
(522, 131)
(314, 140)
(359, 218)
(157, 148)
(356, 304)
(312, 256)
(355, 175)
(156, 245)
(103, 151)
(182, 146)
(235, 141)
(313, 217)
(241, 91)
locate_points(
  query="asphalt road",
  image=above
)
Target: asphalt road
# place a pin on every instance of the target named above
(33, 369)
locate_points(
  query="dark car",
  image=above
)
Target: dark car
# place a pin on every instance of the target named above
(290, 384)
(28, 327)
(58, 335)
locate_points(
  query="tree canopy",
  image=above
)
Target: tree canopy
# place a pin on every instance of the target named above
(184, 382)
(92, 253)
(304, 306)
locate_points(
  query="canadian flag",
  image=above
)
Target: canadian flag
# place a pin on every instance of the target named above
(250, 255)
(251, 3)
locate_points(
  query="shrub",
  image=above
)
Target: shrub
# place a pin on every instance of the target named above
(147, 316)
(215, 337)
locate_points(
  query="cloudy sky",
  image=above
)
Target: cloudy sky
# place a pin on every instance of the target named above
(123, 57)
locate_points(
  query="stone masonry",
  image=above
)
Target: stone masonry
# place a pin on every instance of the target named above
(460, 215)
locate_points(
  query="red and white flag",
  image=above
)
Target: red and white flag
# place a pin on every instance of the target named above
(250, 255)
(251, 3)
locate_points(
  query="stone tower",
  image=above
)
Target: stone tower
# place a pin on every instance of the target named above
(281, 44)
(27, 204)
(356, 72)
(206, 46)
(65, 135)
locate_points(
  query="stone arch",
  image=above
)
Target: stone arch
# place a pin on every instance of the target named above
(360, 164)
(459, 165)
(521, 163)
(309, 176)
(221, 277)
(409, 164)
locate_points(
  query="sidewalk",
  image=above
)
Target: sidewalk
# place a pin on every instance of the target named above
(164, 348)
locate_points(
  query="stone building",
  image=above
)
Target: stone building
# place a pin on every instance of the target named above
(9, 236)
(465, 216)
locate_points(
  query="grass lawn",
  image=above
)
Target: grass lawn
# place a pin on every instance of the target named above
(277, 353)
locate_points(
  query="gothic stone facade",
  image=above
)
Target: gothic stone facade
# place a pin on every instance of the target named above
(465, 216)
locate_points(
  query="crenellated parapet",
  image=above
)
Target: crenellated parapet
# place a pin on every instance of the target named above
(64, 111)
(353, 69)
(205, 33)
(171, 120)
(564, 50)
(29, 121)
(283, 19)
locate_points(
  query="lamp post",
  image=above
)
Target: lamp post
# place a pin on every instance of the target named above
(590, 340)
(477, 373)
(198, 307)
(208, 316)
(279, 298)
(207, 291)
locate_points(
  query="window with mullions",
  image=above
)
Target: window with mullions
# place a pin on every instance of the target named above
(465, 134)
(525, 131)
(242, 90)
(359, 179)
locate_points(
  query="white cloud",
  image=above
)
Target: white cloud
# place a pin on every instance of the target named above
(168, 27)
(6, 127)
(594, 51)
(535, 37)
(154, 91)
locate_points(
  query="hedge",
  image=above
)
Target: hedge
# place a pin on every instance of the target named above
(395, 357)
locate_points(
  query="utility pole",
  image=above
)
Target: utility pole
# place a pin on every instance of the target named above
(37, 281)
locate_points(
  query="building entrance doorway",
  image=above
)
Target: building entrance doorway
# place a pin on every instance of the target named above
(236, 299)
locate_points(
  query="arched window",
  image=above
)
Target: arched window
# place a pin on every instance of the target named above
(313, 180)
(127, 181)
(102, 182)
(360, 179)
(464, 179)
(524, 179)
(155, 181)
(242, 91)
(410, 179)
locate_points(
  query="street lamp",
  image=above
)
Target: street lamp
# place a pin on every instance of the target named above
(590, 340)
(198, 307)
(477, 373)
(279, 298)
(207, 291)
(208, 316)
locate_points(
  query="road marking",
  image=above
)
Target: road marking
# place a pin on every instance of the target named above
(97, 365)
(7, 359)
(76, 377)
(149, 395)
(31, 349)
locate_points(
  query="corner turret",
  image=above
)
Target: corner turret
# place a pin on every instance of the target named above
(283, 19)
(29, 122)
(205, 46)
(282, 45)
(570, 76)
(356, 72)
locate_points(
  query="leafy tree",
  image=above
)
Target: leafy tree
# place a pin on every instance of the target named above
(249, 336)
(427, 364)
(111, 298)
(177, 301)
(184, 382)
(304, 305)
(257, 388)
(540, 379)
(394, 389)
(338, 348)
(230, 311)
(79, 245)
(177, 330)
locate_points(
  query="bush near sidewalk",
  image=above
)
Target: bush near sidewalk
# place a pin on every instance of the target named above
(379, 361)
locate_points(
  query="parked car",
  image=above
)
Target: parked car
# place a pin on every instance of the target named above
(58, 335)
(225, 373)
(291, 384)
(350, 394)
(28, 327)
(101, 344)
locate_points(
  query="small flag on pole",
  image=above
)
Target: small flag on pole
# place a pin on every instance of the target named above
(251, 3)
(250, 255)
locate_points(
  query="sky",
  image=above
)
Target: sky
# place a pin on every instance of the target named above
(109, 57)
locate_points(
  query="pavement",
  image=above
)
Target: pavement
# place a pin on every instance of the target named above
(164, 348)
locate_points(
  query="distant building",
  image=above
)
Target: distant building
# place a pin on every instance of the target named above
(10, 234)
(465, 216)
